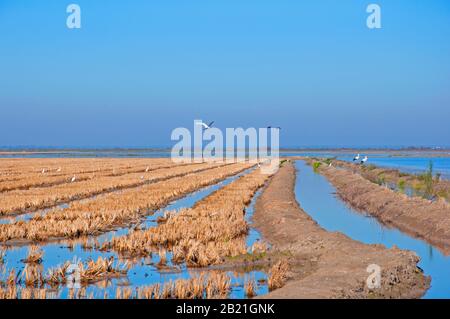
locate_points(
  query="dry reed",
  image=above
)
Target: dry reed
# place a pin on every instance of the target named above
(250, 287)
(30, 180)
(2, 256)
(34, 256)
(21, 201)
(89, 272)
(211, 285)
(203, 235)
(278, 274)
(115, 209)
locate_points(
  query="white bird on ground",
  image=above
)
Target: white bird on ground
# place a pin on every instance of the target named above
(142, 177)
(205, 126)
(146, 170)
(73, 179)
(59, 169)
(364, 159)
(357, 157)
(43, 171)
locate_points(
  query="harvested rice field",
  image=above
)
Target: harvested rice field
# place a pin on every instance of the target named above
(129, 228)
(149, 228)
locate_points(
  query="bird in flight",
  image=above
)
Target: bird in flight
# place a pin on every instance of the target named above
(205, 126)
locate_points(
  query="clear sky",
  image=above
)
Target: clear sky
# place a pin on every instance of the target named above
(138, 69)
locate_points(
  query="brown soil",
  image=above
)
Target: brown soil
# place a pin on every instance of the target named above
(415, 216)
(328, 264)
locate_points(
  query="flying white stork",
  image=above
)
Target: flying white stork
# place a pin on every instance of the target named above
(205, 126)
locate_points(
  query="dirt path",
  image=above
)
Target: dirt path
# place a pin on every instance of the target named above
(415, 216)
(328, 264)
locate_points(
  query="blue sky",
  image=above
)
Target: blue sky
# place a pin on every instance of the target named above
(138, 69)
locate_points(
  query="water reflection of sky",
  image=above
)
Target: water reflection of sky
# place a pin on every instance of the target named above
(410, 164)
(144, 271)
(316, 196)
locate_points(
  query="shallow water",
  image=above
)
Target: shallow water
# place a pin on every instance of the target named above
(143, 271)
(414, 165)
(317, 197)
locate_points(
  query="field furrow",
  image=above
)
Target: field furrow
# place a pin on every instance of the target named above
(48, 180)
(22, 201)
(212, 229)
(114, 209)
(63, 168)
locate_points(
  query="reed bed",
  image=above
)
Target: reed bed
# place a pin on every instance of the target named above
(21, 201)
(278, 274)
(203, 235)
(115, 209)
(213, 285)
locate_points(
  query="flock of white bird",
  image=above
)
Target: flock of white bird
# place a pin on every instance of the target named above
(73, 179)
(358, 158)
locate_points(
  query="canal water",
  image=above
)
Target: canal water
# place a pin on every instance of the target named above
(317, 197)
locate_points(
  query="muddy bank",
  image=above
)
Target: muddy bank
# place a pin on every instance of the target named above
(418, 217)
(328, 264)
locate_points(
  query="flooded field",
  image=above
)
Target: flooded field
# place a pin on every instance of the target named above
(149, 228)
(128, 275)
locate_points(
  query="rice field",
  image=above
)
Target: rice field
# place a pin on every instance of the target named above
(20, 201)
(51, 177)
(127, 228)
